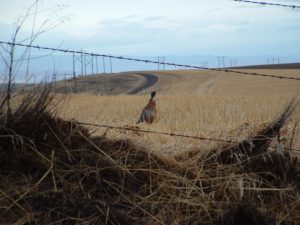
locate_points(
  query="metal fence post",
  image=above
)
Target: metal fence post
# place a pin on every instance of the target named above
(81, 57)
(92, 56)
(110, 65)
(103, 64)
(97, 65)
(74, 74)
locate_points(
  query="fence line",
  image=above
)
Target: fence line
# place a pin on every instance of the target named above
(154, 62)
(169, 134)
(82, 53)
(269, 3)
(157, 132)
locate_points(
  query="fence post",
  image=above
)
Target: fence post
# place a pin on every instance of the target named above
(84, 58)
(65, 83)
(81, 57)
(103, 64)
(110, 65)
(97, 64)
(92, 63)
(74, 73)
(53, 78)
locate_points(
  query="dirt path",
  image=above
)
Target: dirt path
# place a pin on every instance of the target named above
(150, 80)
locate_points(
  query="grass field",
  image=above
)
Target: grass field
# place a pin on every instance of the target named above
(192, 102)
(195, 82)
(189, 82)
(54, 171)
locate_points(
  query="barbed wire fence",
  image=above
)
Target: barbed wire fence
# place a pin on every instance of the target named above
(172, 134)
(86, 63)
(269, 3)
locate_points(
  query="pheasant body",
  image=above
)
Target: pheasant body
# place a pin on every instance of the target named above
(149, 112)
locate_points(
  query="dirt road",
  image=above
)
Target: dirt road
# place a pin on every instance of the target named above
(150, 80)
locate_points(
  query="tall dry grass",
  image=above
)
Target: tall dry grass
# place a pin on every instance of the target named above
(231, 118)
(201, 82)
(53, 171)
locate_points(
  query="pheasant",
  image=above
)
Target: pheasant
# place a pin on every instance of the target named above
(149, 112)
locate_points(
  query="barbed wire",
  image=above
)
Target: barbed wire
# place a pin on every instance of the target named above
(157, 132)
(269, 3)
(152, 61)
(169, 134)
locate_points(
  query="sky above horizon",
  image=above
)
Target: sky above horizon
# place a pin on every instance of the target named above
(169, 27)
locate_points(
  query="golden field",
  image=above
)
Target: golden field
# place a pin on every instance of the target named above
(201, 103)
(56, 171)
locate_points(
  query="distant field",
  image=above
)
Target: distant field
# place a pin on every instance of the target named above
(229, 84)
(186, 82)
(208, 116)
(203, 103)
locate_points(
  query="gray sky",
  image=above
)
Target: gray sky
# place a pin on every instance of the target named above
(166, 27)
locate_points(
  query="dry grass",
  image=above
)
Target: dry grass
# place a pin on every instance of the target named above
(52, 171)
(195, 82)
(107, 84)
(189, 82)
(193, 102)
(209, 116)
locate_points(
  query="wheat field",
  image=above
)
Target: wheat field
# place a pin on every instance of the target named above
(199, 103)
(203, 82)
(205, 116)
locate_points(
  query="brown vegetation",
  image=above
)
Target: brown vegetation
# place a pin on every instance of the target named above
(185, 82)
(52, 171)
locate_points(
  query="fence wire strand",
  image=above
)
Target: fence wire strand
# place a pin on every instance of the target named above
(137, 129)
(297, 151)
(154, 62)
(269, 3)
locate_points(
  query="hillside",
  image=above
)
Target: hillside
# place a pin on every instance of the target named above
(196, 82)
(228, 84)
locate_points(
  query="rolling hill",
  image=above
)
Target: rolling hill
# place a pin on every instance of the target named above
(199, 82)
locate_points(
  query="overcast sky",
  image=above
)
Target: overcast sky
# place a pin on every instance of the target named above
(166, 27)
